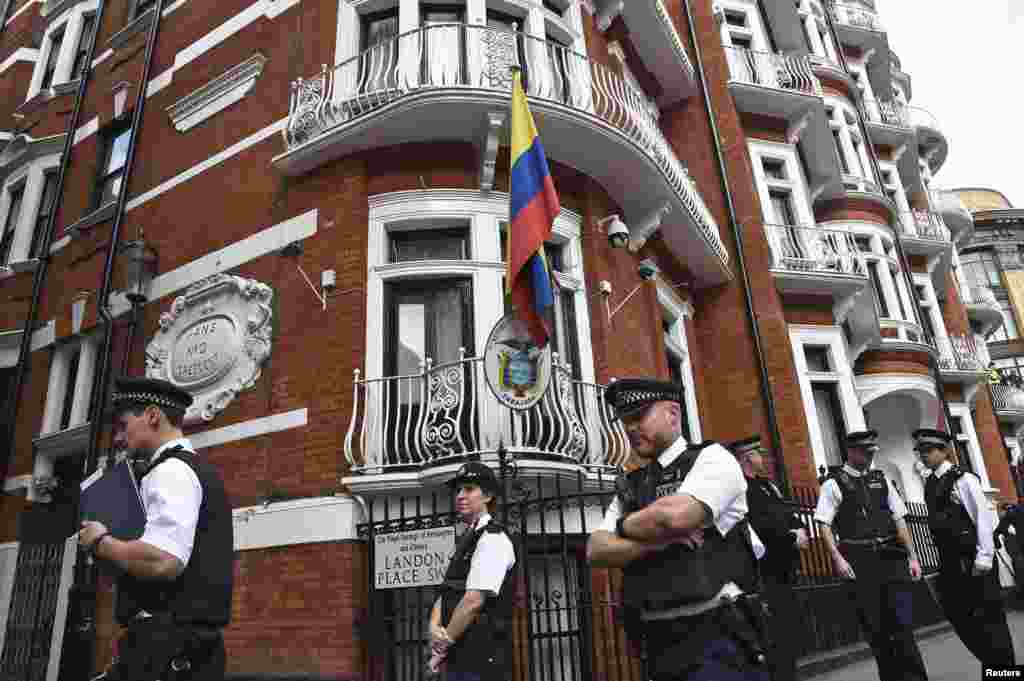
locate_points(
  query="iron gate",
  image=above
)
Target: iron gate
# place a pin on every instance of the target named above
(564, 627)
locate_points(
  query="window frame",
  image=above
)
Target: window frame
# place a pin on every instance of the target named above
(10, 229)
(69, 25)
(108, 140)
(970, 437)
(841, 375)
(65, 399)
(140, 7)
(794, 183)
(31, 175)
(679, 314)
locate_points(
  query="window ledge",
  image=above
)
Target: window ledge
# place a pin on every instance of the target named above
(217, 95)
(17, 267)
(63, 442)
(67, 88)
(136, 26)
(101, 214)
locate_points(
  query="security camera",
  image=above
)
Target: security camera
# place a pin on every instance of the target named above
(647, 269)
(618, 233)
(328, 281)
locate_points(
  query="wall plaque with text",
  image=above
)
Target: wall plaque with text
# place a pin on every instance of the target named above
(213, 342)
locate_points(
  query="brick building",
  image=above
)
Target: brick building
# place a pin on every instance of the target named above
(180, 177)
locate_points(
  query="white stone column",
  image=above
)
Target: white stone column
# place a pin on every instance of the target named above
(538, 63)
(346, 46)
(476, 20)
(409, 45)
(811, 24)
(56, 390)
(83, 383)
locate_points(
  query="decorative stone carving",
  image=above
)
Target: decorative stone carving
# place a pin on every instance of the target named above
(217, 95)
(491, 137)
(213, 342)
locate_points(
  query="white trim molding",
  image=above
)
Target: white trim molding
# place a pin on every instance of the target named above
(21, 54)
(970, 437)
(274, 423)
(217, 95)
(873, 386)
(297, 521)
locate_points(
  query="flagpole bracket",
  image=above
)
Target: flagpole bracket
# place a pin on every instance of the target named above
(490, 140)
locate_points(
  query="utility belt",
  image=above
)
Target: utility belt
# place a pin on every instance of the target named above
(744, 618)
(157, 648)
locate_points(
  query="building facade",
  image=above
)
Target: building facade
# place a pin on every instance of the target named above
(296, 209)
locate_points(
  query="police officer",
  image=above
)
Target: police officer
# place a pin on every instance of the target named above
(174, 589)
(876, 552)
(784, 535)
(963, 524)
(677, 527)
(470, 624)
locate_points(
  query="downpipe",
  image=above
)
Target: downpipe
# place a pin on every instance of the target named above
(781, 476)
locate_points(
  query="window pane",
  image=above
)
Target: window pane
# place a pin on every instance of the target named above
(51, 59)
(45, 209)
(111, 189)
(11, 224)
(88, 25)
(118, 152)
(379, 29)
(817, 358)
(566, 335)
(782, 205)
(881, 305)
(69, 395)
(826, 405)
(412, 337)
(419, 245)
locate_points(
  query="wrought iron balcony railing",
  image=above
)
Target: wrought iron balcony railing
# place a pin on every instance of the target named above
(924, 224)
(980, 295)
(962, 353)
(446, 412)
(457, 59)
(1007, 397)
(854, 15)
(893, 112)
(778, 71)
(812, 250)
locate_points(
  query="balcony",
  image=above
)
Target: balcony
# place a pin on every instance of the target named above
(858, 25)
(924, 232)
(784, 86)
(959, 220)
(815, 261)
(931, 141)
(962, 359)
(889, 122)
(1008, 403)
(414, 430)
(451, 81)
(657, 42)
(982, 308)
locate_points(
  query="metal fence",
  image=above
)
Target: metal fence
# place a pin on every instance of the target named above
(566, 625)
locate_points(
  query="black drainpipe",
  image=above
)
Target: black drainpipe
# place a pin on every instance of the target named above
(24, 361)
(773, 424)
(84, 590)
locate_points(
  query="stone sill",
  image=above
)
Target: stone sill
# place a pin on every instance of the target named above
(101, 214)
(136, 26)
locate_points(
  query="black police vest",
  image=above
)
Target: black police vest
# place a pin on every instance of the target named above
(954, 532)
(864, 512)
(679, 575)
(201, 594)
(487, 636)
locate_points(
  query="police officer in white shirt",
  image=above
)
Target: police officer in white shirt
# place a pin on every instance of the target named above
(471, 621)
(678, 529)
(175, 585)
(876, 552)
(962, 523)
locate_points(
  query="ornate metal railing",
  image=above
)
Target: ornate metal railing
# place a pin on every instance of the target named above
(980, 295)
(677, 42)
(1007, 398)
(779, 71)
(892, 112)
(854, 15)
(446, 412)
(924, 224)
(962, 353)
(814, 250)
(467, 57)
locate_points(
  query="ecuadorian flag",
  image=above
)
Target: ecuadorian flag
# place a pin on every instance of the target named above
(534, 205)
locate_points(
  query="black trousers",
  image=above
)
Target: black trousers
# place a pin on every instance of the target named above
(884, 604)
(974, 606)
(778, 593)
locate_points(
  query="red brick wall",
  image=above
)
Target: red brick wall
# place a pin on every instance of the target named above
(892, 362)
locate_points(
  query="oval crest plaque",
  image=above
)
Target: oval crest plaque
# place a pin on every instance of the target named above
(518, 371)
(204, 352)
(213, 342)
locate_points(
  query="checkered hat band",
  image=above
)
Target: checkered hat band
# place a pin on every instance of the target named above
(148, 398)
(931, 441)
(634, 397)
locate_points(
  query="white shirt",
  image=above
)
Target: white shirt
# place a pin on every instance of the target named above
(172, 495)
(967, 492)
(492, 559)
(831, 496)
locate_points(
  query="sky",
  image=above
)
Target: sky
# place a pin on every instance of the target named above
(966, 66)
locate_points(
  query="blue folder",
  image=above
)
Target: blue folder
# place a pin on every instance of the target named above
(114, 500)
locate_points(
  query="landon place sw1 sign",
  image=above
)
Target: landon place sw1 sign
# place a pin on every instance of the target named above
(415, 558)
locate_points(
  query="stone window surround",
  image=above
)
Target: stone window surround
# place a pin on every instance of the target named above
(812, 14)
(930, 306)
(969, 436)
(838, 111)
(832, 338)
(754, 30)
(678, 311)
(71, 22)
(890, 276)
(538, 21)
(58, 390)
(795, 183)
(32, 175)
(482, 212)
(902, 204)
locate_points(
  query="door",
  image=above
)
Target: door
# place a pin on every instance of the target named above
(443, 54)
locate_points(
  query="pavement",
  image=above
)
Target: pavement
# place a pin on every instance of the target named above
(944, 655)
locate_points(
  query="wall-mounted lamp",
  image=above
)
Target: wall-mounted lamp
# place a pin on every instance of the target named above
(618, 232)
(139, 261)
(647, 269)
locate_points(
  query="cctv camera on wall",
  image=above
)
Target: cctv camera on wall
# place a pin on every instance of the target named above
(618, 232)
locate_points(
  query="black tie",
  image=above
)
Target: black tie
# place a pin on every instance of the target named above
(652, 478)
